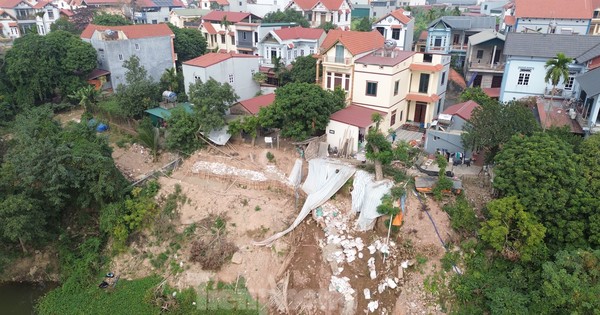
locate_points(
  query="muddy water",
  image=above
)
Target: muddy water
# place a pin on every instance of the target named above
(19, 298)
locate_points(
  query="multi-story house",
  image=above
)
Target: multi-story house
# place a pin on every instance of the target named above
(339, 51)
(235, 69)
(222, 5)
(403, 86)
(46, 14)
(187, 18)
(29, 15)
(286, 44)
(595, 22)
(319, 12)
(485, 61)
(231, 31)
(450, 34)
(154, 12)
(397, 26)
(108, 6)
(526, 55)
(151, 43)
(589, 111)
(493, 7)
(9, 28)
(446, 133)
(263, 7)
(552, 16)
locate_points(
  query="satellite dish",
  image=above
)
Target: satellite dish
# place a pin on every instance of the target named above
(389, 44)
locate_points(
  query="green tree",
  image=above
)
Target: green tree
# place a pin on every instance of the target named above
(211, 100)
(477, 95)
(182, 135)
(588, 159)
(22, 219)
(327, 26)
(379, 149)
(304, 69)
(188, 43)
(169, 81)
(82, 17)
(63, 24)
(247, 124)
(287, 16)
(492, 124)
(300, 110)
(86, 97)
(109, 19)
(511, 230)
(149, 136)
(557, 69)
(364, 25)
(140, 92)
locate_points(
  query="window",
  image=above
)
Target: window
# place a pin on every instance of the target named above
(569, 83)
(371, 89)
(231, 79)
(347, 82)
(524, 75)
(154, 21)
(339, 17)
(424, 83)
(401, 114)
(393, 118)
(232, 40)
(244, 35)
(428, 58)
(137, 46)
(396, 33)
(222, 39)
(437, 42)
(197, 78)
(50, 15)
(347, 19)
(301, 52)
(443, 78)
(295, 53)
(396, 87)
(485, 7)
(479, 54)
(166, 19)
(120, 57)
(309, 16)
(312, 51)
(289, 54)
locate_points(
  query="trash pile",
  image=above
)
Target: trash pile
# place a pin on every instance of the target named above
(223, 169)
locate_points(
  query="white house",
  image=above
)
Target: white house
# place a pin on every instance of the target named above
(290, 43)
(222, 5)
(263, 7)
(318, 12)
(46, 14)
(240, 33)
(187, 18)
(28, 15)
(553, 16)
(234, 69)
(9, 26)
(154, 12)
(526, 55)
(397, 26)
(590, 111)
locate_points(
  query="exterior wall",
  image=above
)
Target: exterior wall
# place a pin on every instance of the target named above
(344, 66)
(161, 15)
(405, 40)
(51, 14)
(155, 53)
(287, 54)
(578, 26)
(443, 34)
(9, 31)
(320, 14)
(262, 7)
(341, 130)
(241, 69)
(381, 8)
(436, 86)
(450, 141)
(491, 7)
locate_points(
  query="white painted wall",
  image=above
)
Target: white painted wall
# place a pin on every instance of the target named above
(404, 42)
(579, 26)
(340, 130)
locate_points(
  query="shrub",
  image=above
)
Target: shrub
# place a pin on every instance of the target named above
(462, 215)
(270, 157)
(212, 254)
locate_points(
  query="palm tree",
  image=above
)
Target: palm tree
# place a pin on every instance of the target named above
(557, 69)
(87, 96)
(170, 80)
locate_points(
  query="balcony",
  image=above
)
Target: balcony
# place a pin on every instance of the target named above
(496, 66)
(269, 62)
(458, 47)
(343, 61)
(558, 93)
(28, 17)
(244, 44)
(437, 48)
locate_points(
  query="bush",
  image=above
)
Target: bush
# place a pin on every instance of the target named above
(270, 157)
(462, 216)
(212, 254)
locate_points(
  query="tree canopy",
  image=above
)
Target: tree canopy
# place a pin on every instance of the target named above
(139, 93)
(363, 25)
(109, 19)
(304, 69)
(188, 43)
(211, 101)
(288, 16)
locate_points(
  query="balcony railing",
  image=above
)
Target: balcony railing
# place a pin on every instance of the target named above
(345, 61)
(459, 47)
(497, 66)
(244, 44)
(29, 17)
(558, 93)
(437, 48)
(270, 61)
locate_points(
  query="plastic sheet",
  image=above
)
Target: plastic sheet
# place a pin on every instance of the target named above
(366, 197)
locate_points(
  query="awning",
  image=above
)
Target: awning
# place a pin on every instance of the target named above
(424, 67)
(422, 97)
(96, 73)
(290, 45)
(340, 11)
(231, 33)
(245, 48)
(221, 32)
(348, 10)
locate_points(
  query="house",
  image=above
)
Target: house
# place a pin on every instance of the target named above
(421, 43)
(397, 26)
(318, 12)
(109, 6)
(553, 16)
(27, 16)
(235, 69)
(493, 7)
(595, 22)
(347, 128)
(485, 62)
(231, 31)
(526, 55)
(151, 43)
(589, 109)
(289, 43)
(221, 5)
(339, 51)
(154, 11)
(251, 106)
(380, 8)
(445, 133)
(187, 18)
(450, 34)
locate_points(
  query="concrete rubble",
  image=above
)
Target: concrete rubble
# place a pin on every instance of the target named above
(342, 285)
(223, 169)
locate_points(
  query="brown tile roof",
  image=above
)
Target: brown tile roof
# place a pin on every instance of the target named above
(102, 2)
(66, 12)
(425, 67)
(233, 17)
(355, 42)
(552, 114)
(332, 5)
(423, 35)
(377, 58)
(492, 92)
(209, 28)
(355, 115)
(299, 32)
(510, 20)
(560, 9)
(457, 78)
(210, 59)
(41, 4)
(253, 105)
(131, 31)
(422, 97)
(10, 3)
(399, 15)
(221, 2)
(462, 110)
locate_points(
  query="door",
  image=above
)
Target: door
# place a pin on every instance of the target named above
(424, 83)
(339, 54)
(497, 56)
(477, 81)
(420, 111)
(497, 81)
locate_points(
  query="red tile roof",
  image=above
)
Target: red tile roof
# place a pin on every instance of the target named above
(151, 4)
(210, 59)
(355, 115)
(399, 15)
(131, 31)
(102, 2)
(299, 33)
(492, 92)
(221, 2)
(462, 110)
(554, 115)
(332, 5)
(423, 35)
(510, 20)
(422, 97)
(10, 3)
(233, 17)
(210, 29)
(425, 67)
(41, 4)
(253, 105)
(457, 78)
(66, 12)
(559, 9)
(355, 42)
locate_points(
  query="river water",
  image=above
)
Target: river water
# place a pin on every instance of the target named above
(18, 298)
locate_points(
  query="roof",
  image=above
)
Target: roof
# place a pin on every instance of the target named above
(159, 3)
(355, 115)
(299, 33)
(485, 36)
(41, 4)
(253, 105)
(166, 113)
(417, 97)
(398, 15)
(492, 92)
(510, 20)
(102, 2)
(560, 9)
(378, 58)
(221, 2)
(210, 29)
(96, 73)
(462, 110)
(10, 3)
(548, 45)
(190, 12)
(423, 35)
(355, 42)
(309, 4)
(131, 31)
(552, 114)
(466, 22)
(426, 67)
(66, 12)
(233, 17)
(589, 82)
(210, 59)
(457, 78)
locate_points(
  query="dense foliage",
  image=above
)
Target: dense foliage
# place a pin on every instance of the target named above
(287, 16)
(109, 19)
(189, 43)
(304, 69)
(139, 93)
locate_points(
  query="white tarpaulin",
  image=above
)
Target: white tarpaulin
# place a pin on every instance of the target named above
(326, 178)
(296, 174)
(366, 197)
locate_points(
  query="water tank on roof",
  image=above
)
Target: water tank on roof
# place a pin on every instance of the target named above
(169, 96)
